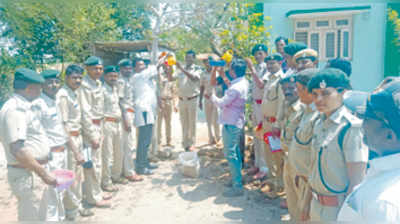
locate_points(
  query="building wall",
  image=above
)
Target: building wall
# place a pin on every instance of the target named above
(368, 37)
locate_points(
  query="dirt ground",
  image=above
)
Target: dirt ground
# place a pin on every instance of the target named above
(169, 197)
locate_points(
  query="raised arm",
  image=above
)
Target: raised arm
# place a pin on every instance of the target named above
(193, 77)
(257, 80)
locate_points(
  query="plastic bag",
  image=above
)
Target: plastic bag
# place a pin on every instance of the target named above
(189, 164)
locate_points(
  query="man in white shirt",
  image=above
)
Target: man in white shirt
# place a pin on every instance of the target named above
(145, 107)
(377, 198)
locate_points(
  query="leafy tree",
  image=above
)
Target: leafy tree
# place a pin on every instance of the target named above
(89, 23)
(245, 30)
(392, 52)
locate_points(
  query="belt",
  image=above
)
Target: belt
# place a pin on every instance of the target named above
(19, 166)
(96, 121)
(15, 166)
(259, 101)
(325, 200)
(188, 98)
(74, 133)
(167, 98)
(111, 119)
(59, 148)
(130, 110)
(270, 119)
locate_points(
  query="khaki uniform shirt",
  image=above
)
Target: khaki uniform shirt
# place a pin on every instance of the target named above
(111, 102)
(332, 159)
(273, 97)
(125, 92)
(167, 88)
(205, 81)
(187, 87)
(70, 109)
(289, 123)
(300, 146)
(261, 71)
(92, 104)
(51, 120)
(20, 120)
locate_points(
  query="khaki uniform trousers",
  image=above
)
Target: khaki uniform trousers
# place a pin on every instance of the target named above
(92, 192)
(73, 196)
(259, 149)
(165, 114)
(188, 116)
(128, 145)
(52, 207)
(303, 192)
(274, 161)
(292, 192)
(211, 112)
(21, 184)
(319, 212)
(111, 152)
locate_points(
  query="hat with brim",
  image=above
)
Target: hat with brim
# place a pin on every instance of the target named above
(306, 54)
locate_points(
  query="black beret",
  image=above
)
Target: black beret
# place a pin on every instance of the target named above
(110, 68)
(329, 77)
(355, 101)
(384, 105)
(93, 60)
(305, 76)
(50, 74)
(28, 75)
(125, 63)
(275, 56)
(259, 47)
(293, 48)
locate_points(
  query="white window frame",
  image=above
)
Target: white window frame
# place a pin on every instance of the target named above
(332, 27)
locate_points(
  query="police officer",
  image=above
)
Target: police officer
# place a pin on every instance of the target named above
(338, 154)
(128, 131)
(259, 75)
(290, 50)
(296, 186)
(167, 97)
(211, 111)
(111, 150)
(273, 99)
(293, 109)
(25, 142)
(92, 105)
(71, 116)
(376, 199)
(188, 92)
(53, 208)
(306, 58)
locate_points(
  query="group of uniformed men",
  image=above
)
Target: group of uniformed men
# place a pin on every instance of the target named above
(310, 142)
(307, 143)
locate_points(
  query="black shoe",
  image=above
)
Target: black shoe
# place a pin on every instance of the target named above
(152, 166)
(145, 171)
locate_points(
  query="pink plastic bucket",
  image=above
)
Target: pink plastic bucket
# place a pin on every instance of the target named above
(65, 178)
